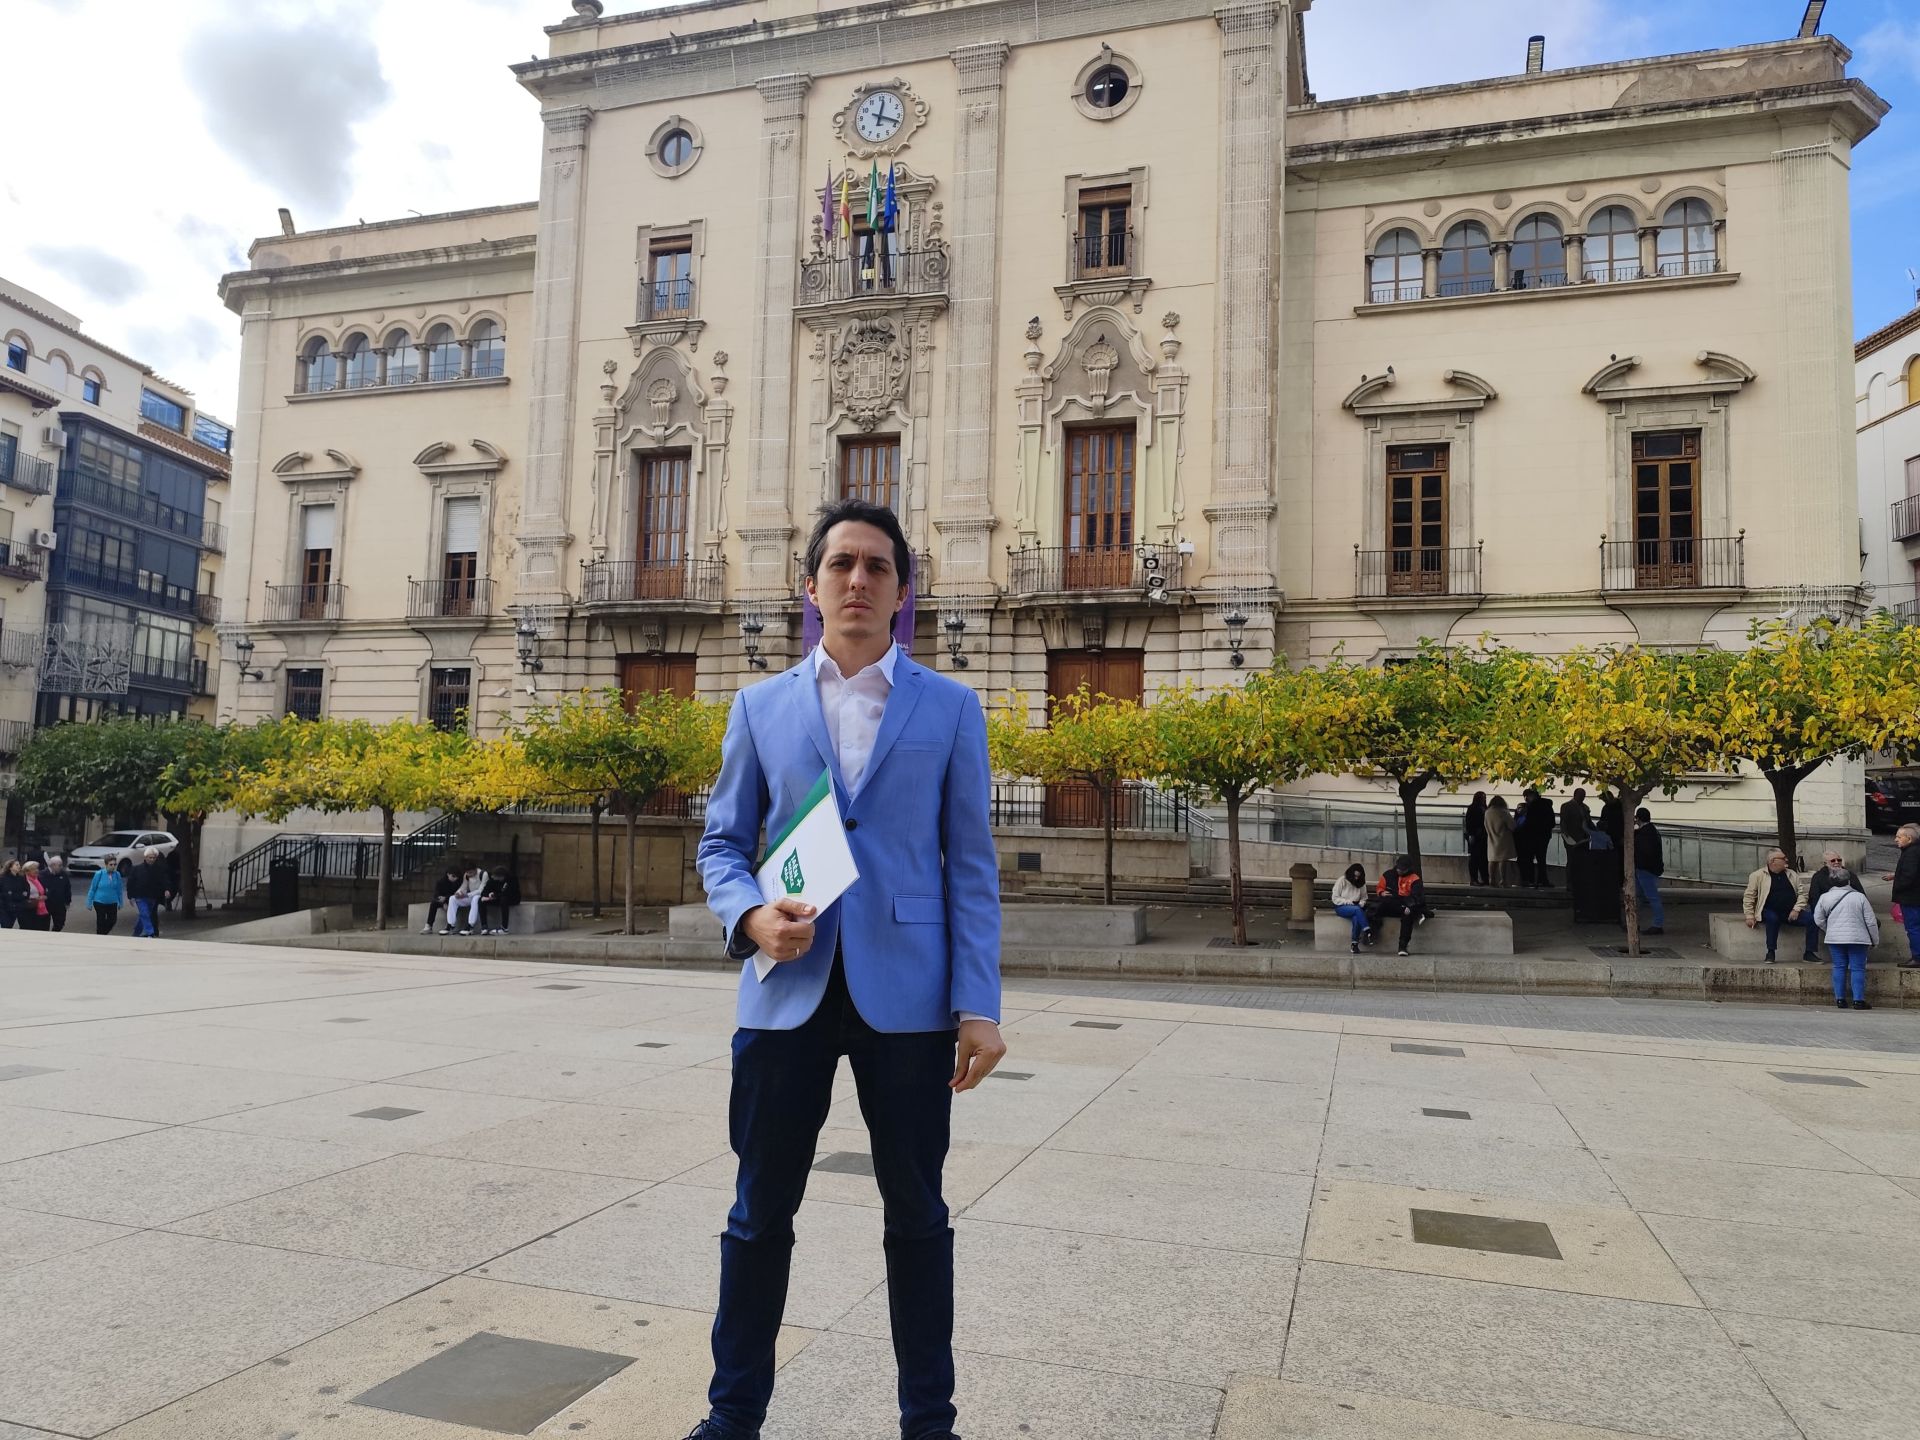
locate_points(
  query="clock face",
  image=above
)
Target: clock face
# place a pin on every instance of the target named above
(879, 116)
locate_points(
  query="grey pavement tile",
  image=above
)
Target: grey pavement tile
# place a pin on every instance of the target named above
(1202, 1120)
(21, 1432)
(1891, 1152)
(154, 1090)
(166, 1175)
(843, 1385)
(1837, 1382)
(1159, 1312)
(1767, 1194)
(25, 1131)
(695, 1090)
(27, 1237)
(845, 1162)
(444, 1115)
(541, 1076)
(662, 1247)
(496, 1382)
(102, 1335)
(1259, 1407)
(1578, 1359)
(1485, 1072)
(1392, 1107)
(598, 1140)
(1056, 1037)
(1117, 1195)
(22, 1071)
(1456, 1157)
(970, 1171)
(1020, 1115)
(421, 1210)
(1797, 1274)
(1295, 1056)
(1729, 1126)
(357, 1057)
(1801, 1077)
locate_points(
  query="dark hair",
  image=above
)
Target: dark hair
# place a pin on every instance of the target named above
(1403, 863)
(1353, 871)
(867, 513)
(1643, 814)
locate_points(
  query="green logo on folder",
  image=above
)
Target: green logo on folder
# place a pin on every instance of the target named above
(790, 875)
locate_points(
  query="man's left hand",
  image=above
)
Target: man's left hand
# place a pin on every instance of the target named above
(980, 1049)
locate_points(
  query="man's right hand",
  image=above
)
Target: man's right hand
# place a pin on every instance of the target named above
(783, 930)
(1751, 923)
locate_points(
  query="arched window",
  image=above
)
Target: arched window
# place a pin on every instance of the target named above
(1466, 260)
(1613, 245)
(443, 354)
(1685, 245)
(59, 373)
(1394, 270)
(1539, 254)
(1913, 381)
(489, 349)
(363, 366)
(91, 384)
(316, 366)
(403, 358)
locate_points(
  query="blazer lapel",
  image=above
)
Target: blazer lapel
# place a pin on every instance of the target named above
(900, 702)
(806, 700)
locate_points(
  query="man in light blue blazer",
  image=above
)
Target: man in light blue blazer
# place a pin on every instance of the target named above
(901, 974)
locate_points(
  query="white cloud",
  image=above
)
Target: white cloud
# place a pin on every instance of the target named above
(1891, 47)
(101, 275)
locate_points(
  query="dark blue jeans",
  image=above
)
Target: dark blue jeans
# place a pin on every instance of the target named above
(1774, 919)
(782, 1086)
(1849, 962)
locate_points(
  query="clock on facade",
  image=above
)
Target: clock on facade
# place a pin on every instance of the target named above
(879, 117)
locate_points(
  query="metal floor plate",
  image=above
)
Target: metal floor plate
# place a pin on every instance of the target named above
(495, 1382)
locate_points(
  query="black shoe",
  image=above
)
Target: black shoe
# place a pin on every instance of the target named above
(1655, 930)
(1354, 945)
(707, 1430)
(1840, 1002)
(1910, 964)
(1403, 952)
(1369, 938)
(1770, 958)
(1861, 1005)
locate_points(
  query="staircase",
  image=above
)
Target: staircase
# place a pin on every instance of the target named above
(330, 863)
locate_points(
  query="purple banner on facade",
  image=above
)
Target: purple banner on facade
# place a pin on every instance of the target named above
(902, 623)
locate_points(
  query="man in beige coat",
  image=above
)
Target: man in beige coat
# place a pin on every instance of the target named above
(1776, 896)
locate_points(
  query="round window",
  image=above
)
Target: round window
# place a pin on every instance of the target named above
(676, 149)
(1106, 87)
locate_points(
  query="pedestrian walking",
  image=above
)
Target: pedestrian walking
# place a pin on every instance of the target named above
(1905, 876)
(1777, 896)
(33, 909)
(59, 891)
(1350, 904)
(1401, 894)
(106, 893)
(13, 894)
(1473, 827)
(1649, 864)
(1502, 847)
(148, 888)
(1846, 916)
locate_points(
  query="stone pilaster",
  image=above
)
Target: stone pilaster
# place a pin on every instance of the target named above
(767, 522)
(1253, 145)
(556, 275)
(243, 505)
(963, 509)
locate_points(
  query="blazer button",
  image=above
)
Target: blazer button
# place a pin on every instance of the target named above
(853, 824)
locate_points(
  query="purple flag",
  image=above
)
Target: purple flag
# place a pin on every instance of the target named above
(826, 204)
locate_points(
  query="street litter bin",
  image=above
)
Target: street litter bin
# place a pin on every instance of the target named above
(283, 886)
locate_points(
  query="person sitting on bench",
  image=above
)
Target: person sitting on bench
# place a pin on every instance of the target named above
(1401, 893)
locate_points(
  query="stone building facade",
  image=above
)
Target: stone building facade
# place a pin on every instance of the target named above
(1887, 414)
(1166, 365)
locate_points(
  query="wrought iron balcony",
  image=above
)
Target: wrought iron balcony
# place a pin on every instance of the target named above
(855, 277)
(22, 649)
(19, 562)
(1153, 570)
(24, 472)
(1688, 265)
(13, 735)
(305, 604)
(1906, 518)
(449, 599)
(1092, 256)
(667, 299)
(206, 609)
(1907, 612)
(171, 672)
(654, 582)
(1705, 563)
(1416, 572)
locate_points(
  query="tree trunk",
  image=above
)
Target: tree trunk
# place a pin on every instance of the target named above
(187, 830)
(1410, 810)
(1106, 824)
(632, 862)
(596, 809)
(382, 889)
(1234, 887)
(1629, 880)
(1784, 782)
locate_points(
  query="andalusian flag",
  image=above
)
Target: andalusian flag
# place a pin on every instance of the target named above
(873, 197)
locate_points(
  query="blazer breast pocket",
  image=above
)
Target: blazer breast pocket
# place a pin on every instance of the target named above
(920, 909)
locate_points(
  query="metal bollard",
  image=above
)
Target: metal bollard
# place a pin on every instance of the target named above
(1303, 876)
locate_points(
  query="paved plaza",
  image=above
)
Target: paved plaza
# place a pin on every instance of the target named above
(271, 1193)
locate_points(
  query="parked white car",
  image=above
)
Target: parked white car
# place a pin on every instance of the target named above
(109, 849)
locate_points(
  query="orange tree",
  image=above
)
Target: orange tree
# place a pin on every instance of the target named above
(1091, 738)
(599, 744)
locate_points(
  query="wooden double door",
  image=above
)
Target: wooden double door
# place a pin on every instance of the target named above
(1114, 674)
(656, 675)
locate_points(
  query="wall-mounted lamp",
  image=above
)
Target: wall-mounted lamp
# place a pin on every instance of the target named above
(1236, 622)
(526, 644)
(243, 652)
(1093, 633)
(956, 628)
(752, 627)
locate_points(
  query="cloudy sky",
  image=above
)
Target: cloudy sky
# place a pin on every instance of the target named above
(151, 140)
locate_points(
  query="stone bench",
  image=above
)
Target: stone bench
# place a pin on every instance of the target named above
(1020, 925)
(1450, 932)
(529, 917)
(1730, 937)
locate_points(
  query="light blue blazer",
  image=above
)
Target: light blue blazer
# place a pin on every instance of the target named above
(919, 931)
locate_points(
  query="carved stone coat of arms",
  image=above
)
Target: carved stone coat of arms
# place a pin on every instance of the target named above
(869, 371)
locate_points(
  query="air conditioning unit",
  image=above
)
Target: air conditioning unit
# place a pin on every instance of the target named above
(54, 438)
(42, 539)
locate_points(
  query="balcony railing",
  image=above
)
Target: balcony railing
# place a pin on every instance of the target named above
(1602, 272)
(1076, 806)
(182, 672)
(206, 609)
(19, 562)
(213, 536)
(24, 472)
(1907, 612)
(296, 604)
(1543, 279)
(641, 582)
(1906, 518)
(124, 585)
(1688, 265)
(79, 488)
(449, 599)
(1716, 562)
(1391, 574)
(1467, 285)
(667, 299)
(1065, 569)
(13, 735)
(22, 649)
(1110, 252)
(853, 277)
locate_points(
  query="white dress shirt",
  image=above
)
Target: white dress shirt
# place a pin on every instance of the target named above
(852, 710)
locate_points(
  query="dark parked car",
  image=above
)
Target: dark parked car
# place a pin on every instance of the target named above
(1892, 800)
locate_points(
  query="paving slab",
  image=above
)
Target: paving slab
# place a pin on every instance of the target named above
(1259, 1407)
(1202, 1120)
(30, 1236)
(1836, 1381)
(1802, 1274)
(971, 1170)
(1243, 1053)
(234, 1047)
(1451, 1155)
(1577, 1359)
(541, 1075)
(1400, 1109)
(25, 1131)
(154, 1090)
(439, 1116)
(598, 1140)
(1767, 1194)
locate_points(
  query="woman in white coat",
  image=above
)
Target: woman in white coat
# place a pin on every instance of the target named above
(1851, 929)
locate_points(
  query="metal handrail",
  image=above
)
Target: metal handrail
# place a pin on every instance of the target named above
(26, 473)
(1076, 806)
(1905, 517)
(1071, 569)
(668, 299)
(289, 603)
(612, 582)
(13, 735)
(1109, 253)
(1417, 570)
(206, 609)
(429, 599)
(848, 277)
(22, 648)
(21, 562)
(337, 856)
(1692, 563)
